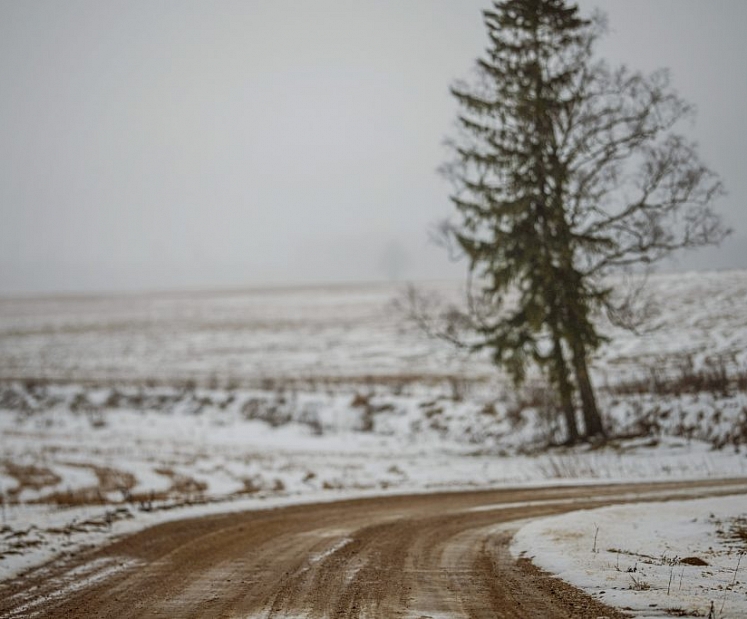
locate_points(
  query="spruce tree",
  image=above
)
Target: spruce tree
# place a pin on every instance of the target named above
(546, 140)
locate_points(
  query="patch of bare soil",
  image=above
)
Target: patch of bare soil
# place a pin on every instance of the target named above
(441, 555)
(29, 476)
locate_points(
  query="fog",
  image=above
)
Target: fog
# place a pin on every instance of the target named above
(164, 145)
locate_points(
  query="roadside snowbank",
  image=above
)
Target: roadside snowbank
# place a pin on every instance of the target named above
(679, 558)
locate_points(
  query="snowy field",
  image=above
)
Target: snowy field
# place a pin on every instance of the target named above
(119, 411)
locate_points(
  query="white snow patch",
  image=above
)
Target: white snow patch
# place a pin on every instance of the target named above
(630, 556)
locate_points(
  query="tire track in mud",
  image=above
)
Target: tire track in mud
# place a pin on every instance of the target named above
(438, 556)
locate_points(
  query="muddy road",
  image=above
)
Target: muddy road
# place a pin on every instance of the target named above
(436, 555)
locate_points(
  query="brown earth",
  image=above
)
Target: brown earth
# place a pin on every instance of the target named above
(436, 555)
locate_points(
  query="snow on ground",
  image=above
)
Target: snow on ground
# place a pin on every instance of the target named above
(678, 558)
(119, 411)
(335, 332)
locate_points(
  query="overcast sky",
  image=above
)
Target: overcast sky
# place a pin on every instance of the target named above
(172, 144)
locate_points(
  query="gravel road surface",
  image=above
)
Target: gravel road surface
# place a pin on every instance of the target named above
(431, 555)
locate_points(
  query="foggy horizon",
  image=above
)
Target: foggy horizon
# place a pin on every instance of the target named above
(190, 146)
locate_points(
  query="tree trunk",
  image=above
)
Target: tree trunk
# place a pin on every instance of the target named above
(592, 420)
(565, 391)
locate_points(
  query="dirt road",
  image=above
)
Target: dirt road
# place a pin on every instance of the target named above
(439, 555)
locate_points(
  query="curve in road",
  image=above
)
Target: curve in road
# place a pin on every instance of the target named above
(419, 556)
